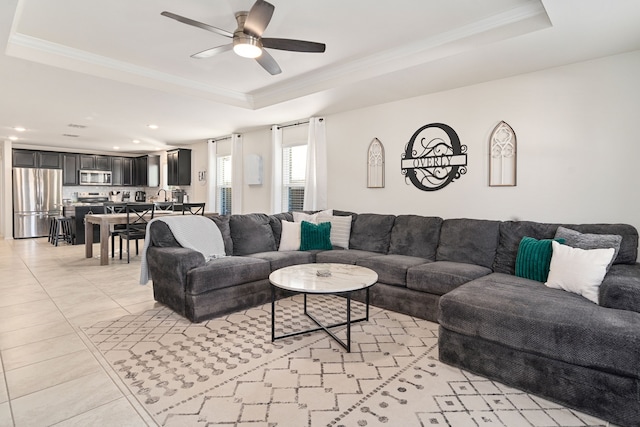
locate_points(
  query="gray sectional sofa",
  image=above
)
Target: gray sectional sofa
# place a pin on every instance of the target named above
(458, 272)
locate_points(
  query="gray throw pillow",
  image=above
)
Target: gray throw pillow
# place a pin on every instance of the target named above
(579, 240)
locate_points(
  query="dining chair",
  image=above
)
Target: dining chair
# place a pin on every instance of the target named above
(193, 208)
(164, 206)
(114, 208)
(138, 216)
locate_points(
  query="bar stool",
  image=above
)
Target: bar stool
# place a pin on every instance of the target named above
(62, 228)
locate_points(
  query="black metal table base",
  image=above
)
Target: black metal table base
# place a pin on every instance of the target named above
(346, 344)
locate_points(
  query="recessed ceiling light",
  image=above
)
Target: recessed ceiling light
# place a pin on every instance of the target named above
(136, 141)
(13, 138)
(152, 126)
(116, 147)
(19, 129)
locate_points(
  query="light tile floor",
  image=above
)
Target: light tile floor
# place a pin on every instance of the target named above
(49, 373)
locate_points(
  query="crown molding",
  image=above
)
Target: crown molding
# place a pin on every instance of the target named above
(494, 28)
(61, 56)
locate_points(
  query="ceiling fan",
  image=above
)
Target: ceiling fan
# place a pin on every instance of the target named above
(247, 38)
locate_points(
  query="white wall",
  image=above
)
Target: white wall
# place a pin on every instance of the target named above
(578, 147)
(6, 191)
(199, 162)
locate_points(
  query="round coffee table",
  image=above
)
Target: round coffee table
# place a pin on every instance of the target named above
(333, 279)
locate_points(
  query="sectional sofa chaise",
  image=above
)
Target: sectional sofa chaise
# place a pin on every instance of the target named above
(459, 273)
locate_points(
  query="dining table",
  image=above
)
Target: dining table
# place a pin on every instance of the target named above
(105, 221)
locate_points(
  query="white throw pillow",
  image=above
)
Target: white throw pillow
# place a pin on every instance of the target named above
(580, 271)
(290, 237)
(340, 229)
(312, 218)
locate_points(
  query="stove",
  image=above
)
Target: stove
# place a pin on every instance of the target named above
(92, 198)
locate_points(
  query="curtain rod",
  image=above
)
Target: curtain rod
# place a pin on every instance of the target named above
(296, 124)
(220, 139)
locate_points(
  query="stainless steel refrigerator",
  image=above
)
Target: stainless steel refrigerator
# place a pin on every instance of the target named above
(37, 196)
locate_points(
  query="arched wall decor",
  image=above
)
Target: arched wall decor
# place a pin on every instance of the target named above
(375, 164)
(434, 157)
(503, 156)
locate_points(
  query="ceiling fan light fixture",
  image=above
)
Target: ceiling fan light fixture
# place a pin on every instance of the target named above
(247, 46)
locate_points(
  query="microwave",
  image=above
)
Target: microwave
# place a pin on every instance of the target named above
(95, 177)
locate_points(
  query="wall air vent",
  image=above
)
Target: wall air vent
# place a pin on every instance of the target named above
(68, 135)
(73, 125)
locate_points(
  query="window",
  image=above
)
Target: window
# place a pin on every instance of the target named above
(223, 185)
(294, 165)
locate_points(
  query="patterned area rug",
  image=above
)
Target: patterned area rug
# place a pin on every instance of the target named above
(227, 372)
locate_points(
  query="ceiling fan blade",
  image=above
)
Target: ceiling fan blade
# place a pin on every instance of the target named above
(268, 63)
(258, 18)
(294, 45)
(193, 23)
(213, 51)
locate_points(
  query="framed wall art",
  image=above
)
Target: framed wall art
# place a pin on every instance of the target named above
(503, 156)
(375, 164)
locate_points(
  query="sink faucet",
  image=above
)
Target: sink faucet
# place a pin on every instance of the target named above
(165, 193)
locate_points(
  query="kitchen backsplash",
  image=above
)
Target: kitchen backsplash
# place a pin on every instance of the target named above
(71, 192)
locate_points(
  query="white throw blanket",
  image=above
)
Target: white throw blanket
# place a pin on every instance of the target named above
(195, 232)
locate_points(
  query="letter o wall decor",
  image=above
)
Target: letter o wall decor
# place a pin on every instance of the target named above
(433, 158)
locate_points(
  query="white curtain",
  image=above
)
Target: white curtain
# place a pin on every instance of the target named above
(315, 190)
(211, 179)
(276, 169)
(237, 174)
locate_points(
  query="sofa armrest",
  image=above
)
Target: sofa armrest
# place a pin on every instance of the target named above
(169, 267)
(620, 288)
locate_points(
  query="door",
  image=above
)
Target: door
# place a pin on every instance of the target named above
(51, 190)
(26, 190)
(29, 224)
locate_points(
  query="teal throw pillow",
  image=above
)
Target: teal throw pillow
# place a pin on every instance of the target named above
(315, 236)
(534, 258)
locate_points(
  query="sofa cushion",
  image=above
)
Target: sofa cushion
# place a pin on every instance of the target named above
(161, 235)
(224, 272)
(285, 259)
(222, 221)
(578, 270)
(340, 229)
(527, 316)
(511, 233)
(340, 256)
(276, 224)
(533, 258)
(415, 235)
(471, 241)
(620, 288)
(315, 236)
(576, 239)
(251, 233)
(628, 253)
(391, 269)
(371, 232)
(441, 277)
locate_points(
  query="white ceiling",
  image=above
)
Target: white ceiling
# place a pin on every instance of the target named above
(116, 66)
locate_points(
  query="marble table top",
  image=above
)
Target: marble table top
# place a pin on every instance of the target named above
(323, 278)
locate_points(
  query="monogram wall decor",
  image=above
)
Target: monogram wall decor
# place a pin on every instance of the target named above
(434, 157)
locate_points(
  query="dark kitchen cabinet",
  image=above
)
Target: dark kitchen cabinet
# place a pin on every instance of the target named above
(127, 171)
(146, 171)
(116, 170)
(37, 159)
(179, 167)
(69, 169)
(95, 162)
(122, 170)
